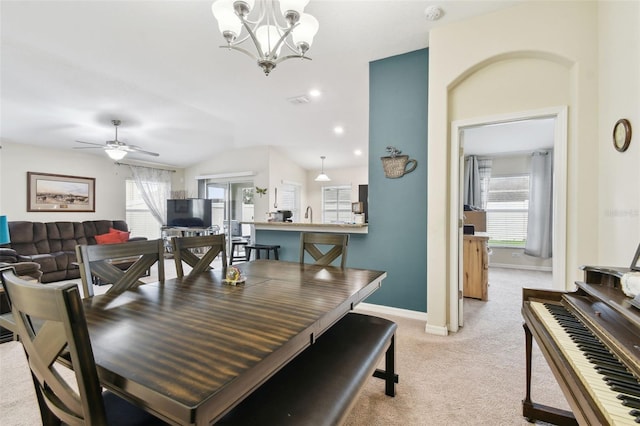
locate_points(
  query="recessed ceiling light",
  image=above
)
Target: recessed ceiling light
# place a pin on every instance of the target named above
(358, 152)
(338, 130)
(314, 93)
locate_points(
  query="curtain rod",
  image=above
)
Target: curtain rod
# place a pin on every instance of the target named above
(117, 163)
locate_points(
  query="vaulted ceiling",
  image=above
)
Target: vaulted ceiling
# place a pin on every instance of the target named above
(70, 67)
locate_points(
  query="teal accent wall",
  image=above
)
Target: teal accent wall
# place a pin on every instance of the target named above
(397, 238)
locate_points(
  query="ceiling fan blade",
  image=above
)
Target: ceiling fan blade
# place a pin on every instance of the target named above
(92, 143)
(133, 148)
(86, 147)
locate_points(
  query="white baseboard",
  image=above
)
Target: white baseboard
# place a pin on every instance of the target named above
(526, 267)
(439, 331)
(404, 313)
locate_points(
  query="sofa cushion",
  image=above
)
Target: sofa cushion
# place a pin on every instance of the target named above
(47, 261)
(65, 236)
(101, 227)
(28, 238)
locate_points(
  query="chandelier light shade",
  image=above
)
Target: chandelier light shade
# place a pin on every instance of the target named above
(267, 28)
(5, 238)
(322, 177)
(115, 153)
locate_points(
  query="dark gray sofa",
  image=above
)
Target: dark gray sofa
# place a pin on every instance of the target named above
(53, 244)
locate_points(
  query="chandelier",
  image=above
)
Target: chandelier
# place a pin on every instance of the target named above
(270, 30)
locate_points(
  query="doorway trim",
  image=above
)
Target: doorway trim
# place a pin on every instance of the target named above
(560, 167)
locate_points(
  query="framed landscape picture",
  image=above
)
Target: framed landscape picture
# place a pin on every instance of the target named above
(60, 193)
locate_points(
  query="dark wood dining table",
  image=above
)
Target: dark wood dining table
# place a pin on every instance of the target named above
(190, 349)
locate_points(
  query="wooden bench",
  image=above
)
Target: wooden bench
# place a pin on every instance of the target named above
(320, 386)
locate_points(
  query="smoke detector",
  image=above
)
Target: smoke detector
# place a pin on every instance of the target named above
(433, 13)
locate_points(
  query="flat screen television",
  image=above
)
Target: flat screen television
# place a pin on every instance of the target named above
(193, 212)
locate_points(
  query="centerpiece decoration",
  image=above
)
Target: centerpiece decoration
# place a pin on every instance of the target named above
(233, 276)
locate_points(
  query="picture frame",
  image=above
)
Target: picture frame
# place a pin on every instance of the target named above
(60, 193)
(635, 263)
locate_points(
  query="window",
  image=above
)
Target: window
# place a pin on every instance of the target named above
(289, 199)
(139, 218)
(508, 210)
(336, 204)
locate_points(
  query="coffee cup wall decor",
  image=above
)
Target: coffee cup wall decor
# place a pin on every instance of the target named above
(395, 165)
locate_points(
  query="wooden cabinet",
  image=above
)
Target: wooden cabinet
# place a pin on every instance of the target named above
(476, 266)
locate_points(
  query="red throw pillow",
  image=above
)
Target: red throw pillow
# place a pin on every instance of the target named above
(110, 238)
(124, 236)
(113, 237)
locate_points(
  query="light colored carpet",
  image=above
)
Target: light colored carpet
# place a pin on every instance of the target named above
(473, 377)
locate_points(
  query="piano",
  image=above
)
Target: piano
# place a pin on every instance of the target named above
(591, 340)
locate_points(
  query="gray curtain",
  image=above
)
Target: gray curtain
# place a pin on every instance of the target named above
(155, 187)
(540, 226)
(472, 191)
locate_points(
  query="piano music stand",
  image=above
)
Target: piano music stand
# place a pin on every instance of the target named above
(635, 263)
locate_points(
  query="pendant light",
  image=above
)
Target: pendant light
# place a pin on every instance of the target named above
(322, 177)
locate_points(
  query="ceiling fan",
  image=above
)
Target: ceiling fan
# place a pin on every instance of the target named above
(115, 149)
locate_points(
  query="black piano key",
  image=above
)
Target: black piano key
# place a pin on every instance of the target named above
(617, 373)
(630, 402)
(633, 384)
(624, 389)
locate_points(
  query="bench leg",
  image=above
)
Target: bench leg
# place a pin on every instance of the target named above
(389, 373)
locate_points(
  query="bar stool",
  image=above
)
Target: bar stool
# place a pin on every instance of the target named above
(236, 243)
(259, 247)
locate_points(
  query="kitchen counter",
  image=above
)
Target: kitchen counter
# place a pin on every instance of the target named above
(349, 228)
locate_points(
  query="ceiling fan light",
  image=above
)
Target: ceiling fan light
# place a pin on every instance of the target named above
(116, 154)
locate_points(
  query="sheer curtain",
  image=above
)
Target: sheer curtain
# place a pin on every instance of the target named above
(155, 187)
(484, 170)
(539, 226)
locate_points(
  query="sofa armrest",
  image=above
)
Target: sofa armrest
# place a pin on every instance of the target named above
(8, 255)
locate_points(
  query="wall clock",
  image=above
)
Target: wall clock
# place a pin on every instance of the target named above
(622, 134)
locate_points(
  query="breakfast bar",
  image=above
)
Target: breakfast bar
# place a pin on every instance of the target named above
(286, 235)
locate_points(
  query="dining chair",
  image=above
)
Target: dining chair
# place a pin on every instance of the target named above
(183, 251)
(324, 248)
(61, 359)
(119, 264)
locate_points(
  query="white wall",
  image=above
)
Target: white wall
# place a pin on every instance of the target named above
(18, 159)
(502, 63)
(618, 208)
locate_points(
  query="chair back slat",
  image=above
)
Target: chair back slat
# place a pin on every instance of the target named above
(183, 252)
(61, 333)
(314, 243)
(96, 260)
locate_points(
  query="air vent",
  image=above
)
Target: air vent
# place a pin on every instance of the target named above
(299, 100)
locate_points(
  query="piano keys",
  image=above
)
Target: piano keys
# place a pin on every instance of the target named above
(591, 340)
